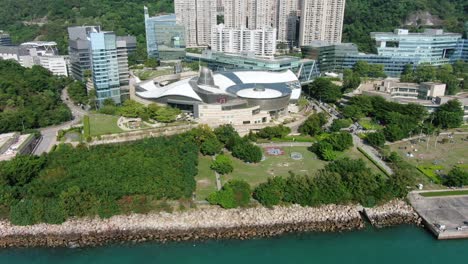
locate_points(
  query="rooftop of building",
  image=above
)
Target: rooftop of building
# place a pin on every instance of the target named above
(11, 144)
(39, 43)
(246, 84)
(405, 32)
(279, 59)
(163, 17)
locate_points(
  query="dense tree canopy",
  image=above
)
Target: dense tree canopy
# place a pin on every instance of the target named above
(325, 90)
(449, 115)
(30, 98)
(99, 180)
(365, 16)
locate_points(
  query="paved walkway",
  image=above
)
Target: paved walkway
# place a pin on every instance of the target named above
(373, 153)
(218, 178)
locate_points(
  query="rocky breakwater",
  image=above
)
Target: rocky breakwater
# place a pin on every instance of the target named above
(210, 223)
(395, 212)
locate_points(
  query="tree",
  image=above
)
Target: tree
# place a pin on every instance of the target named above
(166, 114)
(425, 73)
(225, 132)
(376, 139)
(235, 193)
(21, 170)
(222, 164)
(339, 124)
(324, 90)
(352, 111)
(351, 80)
(449, 115)
(247, 152)
(457, 177)
(340, 141)
(270, 193)
(408, 73)
(324, 150)
(313, 125)
(211, 146)
(331, 189)
(271, 132)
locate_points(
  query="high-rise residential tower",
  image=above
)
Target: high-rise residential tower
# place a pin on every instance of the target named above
(321, 20)
(235, 13)
(251, 14)
(260, 42)
(287, 21)
(198, 17)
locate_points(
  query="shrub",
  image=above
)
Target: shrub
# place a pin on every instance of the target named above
(457, 177)
(235, 193)
(338, 124)
(376, 139)
(270, 193)
(274, 132)
(222, 164)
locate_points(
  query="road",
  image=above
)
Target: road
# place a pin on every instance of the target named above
(49, 134)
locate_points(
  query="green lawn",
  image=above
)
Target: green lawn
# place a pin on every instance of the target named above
(369, 124)
(103, 124)
(150, 74)
(444, 193)
(275, 166)
(206, 180)
(255, 174)
(430, 156)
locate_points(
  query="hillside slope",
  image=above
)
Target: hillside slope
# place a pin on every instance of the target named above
(48, 19)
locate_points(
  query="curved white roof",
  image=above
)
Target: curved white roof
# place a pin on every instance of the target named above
(180, 88)
(265, 94)
(223, 81)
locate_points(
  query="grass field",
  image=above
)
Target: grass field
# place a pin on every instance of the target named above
(444, 193)
(430, 157)
(206, 179)
(272, 166)
(369, 124)
(150, 74)
(103, 124)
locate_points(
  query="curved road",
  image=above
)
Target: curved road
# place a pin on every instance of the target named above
(49, 134)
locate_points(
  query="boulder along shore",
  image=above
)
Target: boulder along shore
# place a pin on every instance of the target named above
(395, 212)
(199, 224)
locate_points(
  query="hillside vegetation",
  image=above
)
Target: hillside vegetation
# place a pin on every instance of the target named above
(48, 19)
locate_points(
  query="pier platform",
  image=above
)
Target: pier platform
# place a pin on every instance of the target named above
(445, 216)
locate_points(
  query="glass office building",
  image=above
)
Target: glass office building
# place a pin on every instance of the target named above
(165, 40)
(305, 69)
(394, 51)
(105, 66)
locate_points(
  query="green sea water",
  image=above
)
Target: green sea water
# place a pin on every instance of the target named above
(398, 245)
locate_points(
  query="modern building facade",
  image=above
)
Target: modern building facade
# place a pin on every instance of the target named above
(165, 39)
(321, 20)
(198, 17)
(394, 51)
(105, 66)
(79, 51)
(305, 69)
(288, 21)
(5, 39)
(433, 46)
(235, 97)
(261, 42)
(251, 14)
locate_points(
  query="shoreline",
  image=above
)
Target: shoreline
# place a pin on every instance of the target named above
(199, 224)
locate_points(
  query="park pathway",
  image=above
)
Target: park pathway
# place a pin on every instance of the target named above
(358, 142)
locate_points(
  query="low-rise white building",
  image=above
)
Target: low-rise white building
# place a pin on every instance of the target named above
(40, 53)
(261, 42)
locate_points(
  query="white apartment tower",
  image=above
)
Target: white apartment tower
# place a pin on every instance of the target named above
(198, 17)
(252, 14)
(235, 13)
(288, 15)
(321, 20)
(261, 42)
